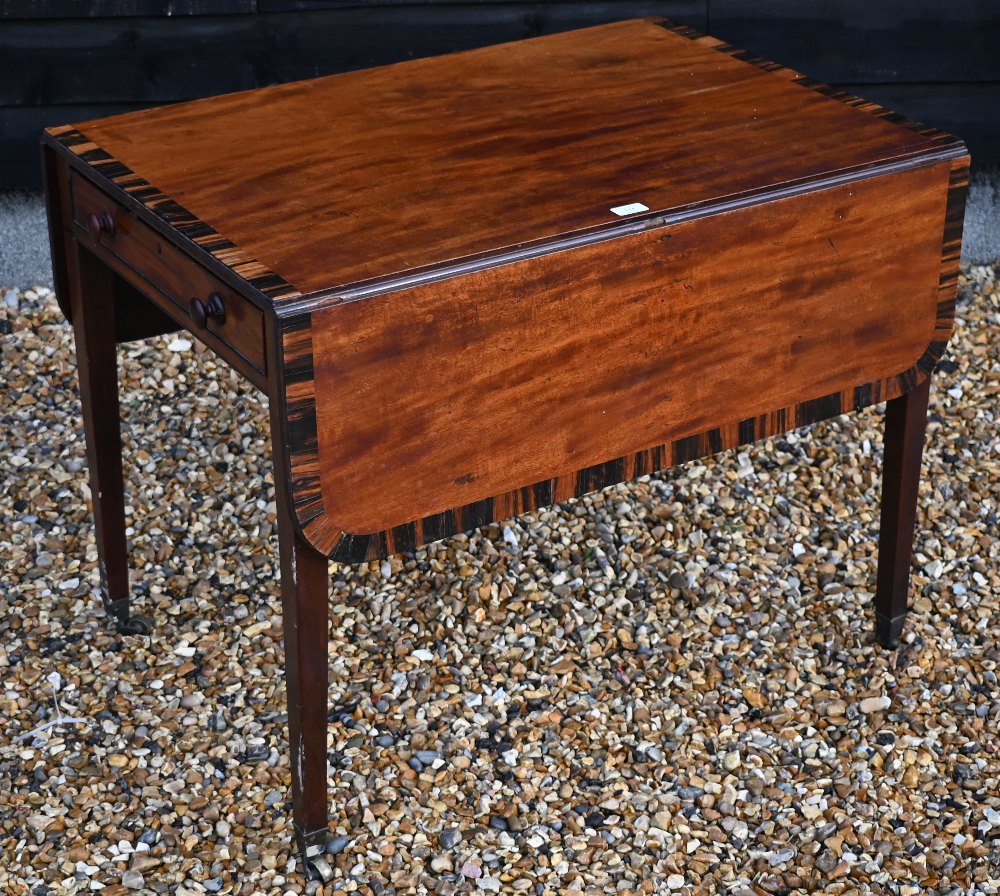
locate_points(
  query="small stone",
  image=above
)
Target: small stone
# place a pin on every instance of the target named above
(731, 761)
(180, 345)
(471, 870)
(133, 880)
(781, 857)
(337, 845)
(675, 881)
(450, 838)
(875, 704)
(149, 836)
(144, 861)
(678, 580)
(428, 757)
(826, 861)
(441, 864)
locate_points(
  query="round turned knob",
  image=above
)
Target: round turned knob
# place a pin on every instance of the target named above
(216, 310)
(199, 314)
(100, 223)
(213, 309)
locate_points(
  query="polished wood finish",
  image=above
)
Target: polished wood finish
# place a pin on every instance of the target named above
(519, 142)
(905, 422)
(91, 294)
(545, 374)
(306, 621)
(133, 248)
(451, 324)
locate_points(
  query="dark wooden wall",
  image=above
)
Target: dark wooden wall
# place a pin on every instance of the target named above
(68, 60)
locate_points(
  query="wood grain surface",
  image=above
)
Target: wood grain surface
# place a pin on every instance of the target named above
(168, 274)
(324, 534)
(368, 174)
(754, 162)
(453, 391)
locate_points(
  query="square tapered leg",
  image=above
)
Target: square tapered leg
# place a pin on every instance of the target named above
(93, 309)
(905, 424)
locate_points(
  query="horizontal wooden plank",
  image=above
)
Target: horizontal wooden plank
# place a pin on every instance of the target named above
(83, 9)
(616, 9)
(168, 60)
(344, 40)
(864, 42)
(960, 109)
(138, 60)
(20, 130)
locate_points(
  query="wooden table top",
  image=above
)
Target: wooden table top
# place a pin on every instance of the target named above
(370, 176)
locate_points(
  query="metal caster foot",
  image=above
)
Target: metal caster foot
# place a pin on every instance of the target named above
(319, 869)
(888, 630)
(124, 621)
(135, 625)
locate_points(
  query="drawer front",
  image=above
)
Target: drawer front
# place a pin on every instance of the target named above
(120, 238)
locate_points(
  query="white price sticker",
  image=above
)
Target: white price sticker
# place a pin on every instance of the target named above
(630, 209)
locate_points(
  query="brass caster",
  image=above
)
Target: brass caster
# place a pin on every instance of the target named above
(319, 869)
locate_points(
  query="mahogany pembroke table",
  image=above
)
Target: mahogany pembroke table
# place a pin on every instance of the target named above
(474, 285)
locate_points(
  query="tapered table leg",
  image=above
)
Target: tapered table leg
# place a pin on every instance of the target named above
(905, 424)
(93, 307)
(306, 621)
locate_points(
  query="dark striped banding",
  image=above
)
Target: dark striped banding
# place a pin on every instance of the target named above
(297, 390)
(348, 547)
(265, 282)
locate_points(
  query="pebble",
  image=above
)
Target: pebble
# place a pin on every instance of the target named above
(337, 845)
(671, 682)
(450, 838)
(428, 757)
(133, 880)
(875, 704)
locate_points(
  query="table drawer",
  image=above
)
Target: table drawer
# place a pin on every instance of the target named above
(211, 310)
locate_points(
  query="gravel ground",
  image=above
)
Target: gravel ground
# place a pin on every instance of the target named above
(670, 686)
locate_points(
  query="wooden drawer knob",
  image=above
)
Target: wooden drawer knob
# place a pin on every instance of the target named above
(99, 224)
(203, 312)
